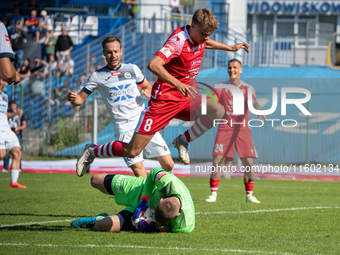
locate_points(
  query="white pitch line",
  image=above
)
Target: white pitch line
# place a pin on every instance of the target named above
(136, 247)
(272, 210)
(202, 213)
(32, 223)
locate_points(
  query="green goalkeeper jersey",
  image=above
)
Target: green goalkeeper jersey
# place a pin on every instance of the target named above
(128, 191)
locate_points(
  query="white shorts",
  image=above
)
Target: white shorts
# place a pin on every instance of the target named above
(155, 148)
(8, 140)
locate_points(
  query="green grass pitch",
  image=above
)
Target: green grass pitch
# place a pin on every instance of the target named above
(294, 217)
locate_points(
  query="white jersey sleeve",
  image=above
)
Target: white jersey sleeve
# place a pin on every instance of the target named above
(5, 46)
(91, 84)
(139, 75)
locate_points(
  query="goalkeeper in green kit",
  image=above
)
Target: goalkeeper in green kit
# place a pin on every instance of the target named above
(158, 203)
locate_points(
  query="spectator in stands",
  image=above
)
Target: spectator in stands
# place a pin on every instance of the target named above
(32, 22)
(18, 20)
(17, 3)
(65, 67)
(102, 64)
(93, 61)
(38, 71)
(25, 70)
(174, 5)
(60, 94)
(132, 5)
(17, 124)
(54, 66)
(64, 45)
(49, 43)
(18, 40)
(33, 4)
(45, 24)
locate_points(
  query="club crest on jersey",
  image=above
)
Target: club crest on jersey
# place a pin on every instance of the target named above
(127, 75)
(160, 175)
(168, 49)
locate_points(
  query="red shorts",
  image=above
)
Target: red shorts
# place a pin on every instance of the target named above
(161, 112)
(227, 139)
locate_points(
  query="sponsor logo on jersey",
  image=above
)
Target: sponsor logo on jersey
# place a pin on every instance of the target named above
(127, 75)
(195, 62)
(160, 175)
(7, 38)
(118, 183)
(122, 92)
(168, 49)
(116, 73)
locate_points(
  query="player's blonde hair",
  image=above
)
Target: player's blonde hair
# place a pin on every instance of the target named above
(109, 40)
(166, 210)
(205, 19)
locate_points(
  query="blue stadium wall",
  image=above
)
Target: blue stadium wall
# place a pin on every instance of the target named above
(317, 141)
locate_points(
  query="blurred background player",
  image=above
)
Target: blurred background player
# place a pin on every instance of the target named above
(8, 140)
(231, 135)
(160, 191)
(177, 65)
(117, 82)
(17, 124)
(7, 70)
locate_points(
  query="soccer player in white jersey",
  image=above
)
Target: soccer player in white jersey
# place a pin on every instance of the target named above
(117, 82)
(7, 70)
(8, 140)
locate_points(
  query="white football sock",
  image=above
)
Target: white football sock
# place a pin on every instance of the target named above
(14, 176)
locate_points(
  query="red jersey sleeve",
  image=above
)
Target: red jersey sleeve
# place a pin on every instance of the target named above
(253, 92)
(171, 49)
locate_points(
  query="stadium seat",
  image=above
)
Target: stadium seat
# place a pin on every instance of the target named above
(91, 26)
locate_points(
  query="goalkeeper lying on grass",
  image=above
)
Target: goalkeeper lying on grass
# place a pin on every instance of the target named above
(158, 203)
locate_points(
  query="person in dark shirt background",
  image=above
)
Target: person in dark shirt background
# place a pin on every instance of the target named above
(64, 45)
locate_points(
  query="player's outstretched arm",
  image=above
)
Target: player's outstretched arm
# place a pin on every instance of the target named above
(214, 45)
(77, 99)
(7, 71)
(156, 66)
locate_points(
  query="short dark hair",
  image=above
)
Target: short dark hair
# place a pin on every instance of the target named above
(111, 39)
(12, 102)
(235, 60)
(166, 211)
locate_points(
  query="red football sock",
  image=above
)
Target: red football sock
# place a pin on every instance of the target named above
(214, 185)
(109, 149)
(249, 186)
(201, 125)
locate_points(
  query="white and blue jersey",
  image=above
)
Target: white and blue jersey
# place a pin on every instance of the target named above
(125, 104)
(8, 139)
(3, 112)
(5, 45)
(120, 93)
